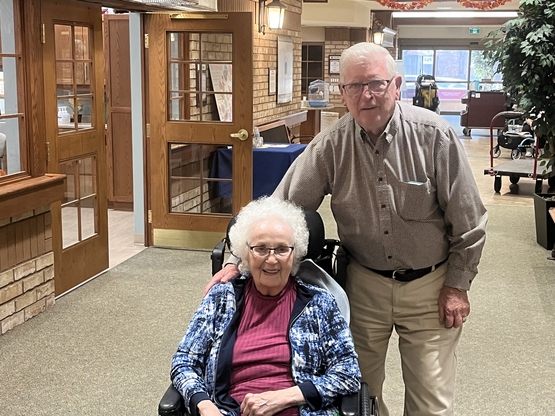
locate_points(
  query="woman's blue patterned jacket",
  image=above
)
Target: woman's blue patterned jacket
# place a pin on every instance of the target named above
(324, 362)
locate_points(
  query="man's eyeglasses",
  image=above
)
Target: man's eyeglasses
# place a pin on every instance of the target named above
(263, 251)
(377, 86)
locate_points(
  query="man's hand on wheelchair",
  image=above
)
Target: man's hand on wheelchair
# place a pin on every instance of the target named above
(223, 276)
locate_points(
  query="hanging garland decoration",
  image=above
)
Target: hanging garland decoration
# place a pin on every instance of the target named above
(419, 4)
(482, 5)
(413, 5)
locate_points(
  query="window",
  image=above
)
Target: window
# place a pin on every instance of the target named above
(312, 64)
(456, 70)
(13, 153)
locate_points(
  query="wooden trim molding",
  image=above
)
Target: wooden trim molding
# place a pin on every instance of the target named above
(25, 195)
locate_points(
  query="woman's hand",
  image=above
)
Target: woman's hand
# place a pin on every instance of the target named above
(271, 402)
(207, 408)
(223, 276)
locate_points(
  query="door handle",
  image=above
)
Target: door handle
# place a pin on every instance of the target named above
(241, 135)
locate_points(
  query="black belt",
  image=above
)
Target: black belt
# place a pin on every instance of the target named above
(407, 275)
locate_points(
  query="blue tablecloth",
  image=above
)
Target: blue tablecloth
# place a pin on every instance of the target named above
(269, 166)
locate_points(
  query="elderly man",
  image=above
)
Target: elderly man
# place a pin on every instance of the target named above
(408, 210)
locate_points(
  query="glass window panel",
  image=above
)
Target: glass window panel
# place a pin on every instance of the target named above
(88, 217)
(452, 65)
(63, 44)
(7, 19)
(480, 70)
(315, 52)
(80, 205)
(70, 192)
(74, 70)
(216, 47)
(87, 177)
(197, 182)
(315, 70)
(304, 53)
(70, 228)
(82, 43)
(64, 76)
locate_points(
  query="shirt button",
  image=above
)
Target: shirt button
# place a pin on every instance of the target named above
(377, 152)
(383, 205)
(389, 257)
(386, 232)
(380, 179)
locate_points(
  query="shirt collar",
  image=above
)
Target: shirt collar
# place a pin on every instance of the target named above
(391, 128)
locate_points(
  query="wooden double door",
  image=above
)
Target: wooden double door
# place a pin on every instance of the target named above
(198, 97)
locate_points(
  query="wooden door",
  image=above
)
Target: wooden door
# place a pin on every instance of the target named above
(200, 75)
(118, 111)
(74, 75)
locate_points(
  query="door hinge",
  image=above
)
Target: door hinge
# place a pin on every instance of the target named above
(146, 40)
(48, 151)
(150, 216)
(148, 130)
(43, 34)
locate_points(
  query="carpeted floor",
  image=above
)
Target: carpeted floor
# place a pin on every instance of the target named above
(105, 348)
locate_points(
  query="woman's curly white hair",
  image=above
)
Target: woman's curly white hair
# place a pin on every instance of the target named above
(262, 209)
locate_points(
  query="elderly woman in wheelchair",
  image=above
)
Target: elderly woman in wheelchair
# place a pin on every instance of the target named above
(266, 343)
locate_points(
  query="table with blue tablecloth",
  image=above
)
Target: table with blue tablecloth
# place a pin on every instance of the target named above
(269, 165)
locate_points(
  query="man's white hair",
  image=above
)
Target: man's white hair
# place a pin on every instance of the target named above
(368, 53)
(262, 209)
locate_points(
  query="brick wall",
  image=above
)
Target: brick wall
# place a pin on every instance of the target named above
(26, 267)
(265, 106)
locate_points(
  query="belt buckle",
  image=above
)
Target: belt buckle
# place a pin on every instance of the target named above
(400, 271)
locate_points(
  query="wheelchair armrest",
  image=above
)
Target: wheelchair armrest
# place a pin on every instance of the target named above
(172, 403)
(217, 256)
(348, 405)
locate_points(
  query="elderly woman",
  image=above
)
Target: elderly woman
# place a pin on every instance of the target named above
(266, 343)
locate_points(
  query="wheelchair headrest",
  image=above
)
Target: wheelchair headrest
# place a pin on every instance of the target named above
(316, 234)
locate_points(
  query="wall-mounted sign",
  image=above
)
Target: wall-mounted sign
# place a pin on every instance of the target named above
(474, 30)
(333, 67)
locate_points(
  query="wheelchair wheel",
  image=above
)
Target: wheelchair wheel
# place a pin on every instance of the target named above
(514, 179)
(515, 154)
(496, 152)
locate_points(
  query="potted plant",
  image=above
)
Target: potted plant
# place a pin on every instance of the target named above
(523, 49)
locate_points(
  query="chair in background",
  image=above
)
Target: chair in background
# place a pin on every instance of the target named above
(327, 254)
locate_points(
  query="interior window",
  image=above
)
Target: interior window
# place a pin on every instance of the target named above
(13, 155)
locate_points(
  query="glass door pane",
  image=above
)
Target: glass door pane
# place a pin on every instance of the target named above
(451, 74)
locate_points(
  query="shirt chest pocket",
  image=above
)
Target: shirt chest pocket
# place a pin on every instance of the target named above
(415, 201)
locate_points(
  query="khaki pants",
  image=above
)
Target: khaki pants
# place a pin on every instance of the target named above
(427, 348)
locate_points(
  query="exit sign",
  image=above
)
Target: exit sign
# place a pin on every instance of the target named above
(474, 30)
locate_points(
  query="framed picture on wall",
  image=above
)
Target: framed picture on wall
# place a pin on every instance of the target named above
(272, 81)
(285, 70)
(333, 64)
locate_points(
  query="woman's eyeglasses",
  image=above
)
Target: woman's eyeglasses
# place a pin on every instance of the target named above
(377, 86)
(263, 251)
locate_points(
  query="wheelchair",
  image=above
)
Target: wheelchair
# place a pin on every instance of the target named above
(325, 254)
